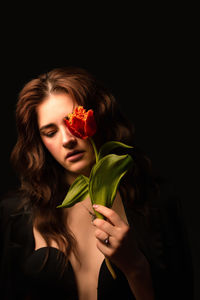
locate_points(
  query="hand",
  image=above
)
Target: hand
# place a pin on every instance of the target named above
(122, 248)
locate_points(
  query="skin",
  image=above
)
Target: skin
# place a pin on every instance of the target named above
(122, 249)
(58, 139)
(123, 252)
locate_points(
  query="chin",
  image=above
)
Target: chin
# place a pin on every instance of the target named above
(85, 172)
(80, 170)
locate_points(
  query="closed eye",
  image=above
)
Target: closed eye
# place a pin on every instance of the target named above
(49, 134)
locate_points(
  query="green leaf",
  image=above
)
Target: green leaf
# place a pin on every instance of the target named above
(77, 191)
(109, 146)
(105, 177)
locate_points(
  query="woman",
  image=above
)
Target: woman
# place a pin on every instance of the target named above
(49, 251)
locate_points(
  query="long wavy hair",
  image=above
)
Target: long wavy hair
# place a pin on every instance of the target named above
(42, 184)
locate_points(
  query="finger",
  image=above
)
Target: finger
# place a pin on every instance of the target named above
(105, 226)
(101, 235)
(105, 249)
(110, 214)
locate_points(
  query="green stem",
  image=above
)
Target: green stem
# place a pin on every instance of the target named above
(108, 264)
(95, 149)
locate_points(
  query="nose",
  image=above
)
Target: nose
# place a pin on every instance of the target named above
(68, 139)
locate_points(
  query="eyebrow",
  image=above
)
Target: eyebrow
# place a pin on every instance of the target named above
(47, 126)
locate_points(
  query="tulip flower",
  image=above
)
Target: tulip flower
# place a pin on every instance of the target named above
(81, 123)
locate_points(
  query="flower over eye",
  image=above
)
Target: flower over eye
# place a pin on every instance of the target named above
(81, 123)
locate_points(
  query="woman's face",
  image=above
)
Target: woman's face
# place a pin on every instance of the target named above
(74, 154)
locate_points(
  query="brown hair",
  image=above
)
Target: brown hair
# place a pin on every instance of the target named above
(41, 177)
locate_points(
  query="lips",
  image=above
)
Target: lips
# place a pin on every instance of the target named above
(73, 153)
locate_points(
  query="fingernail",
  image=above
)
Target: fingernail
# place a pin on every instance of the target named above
(95, 205)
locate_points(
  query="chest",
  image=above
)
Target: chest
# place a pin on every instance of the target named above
(88, 264)
(87, 259)
(87, 267)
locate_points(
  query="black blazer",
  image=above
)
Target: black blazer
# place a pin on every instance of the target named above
(173, 280)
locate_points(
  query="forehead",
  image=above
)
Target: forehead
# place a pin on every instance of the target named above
(54, 108)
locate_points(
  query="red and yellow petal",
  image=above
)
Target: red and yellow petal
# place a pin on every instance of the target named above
(73, 130)
(81, 123)
(90, 124)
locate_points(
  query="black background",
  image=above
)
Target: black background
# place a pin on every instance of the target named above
(149, 64)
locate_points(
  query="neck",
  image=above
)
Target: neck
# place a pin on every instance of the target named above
(82, 212)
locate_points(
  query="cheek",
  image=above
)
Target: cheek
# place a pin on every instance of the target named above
(50, 145)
